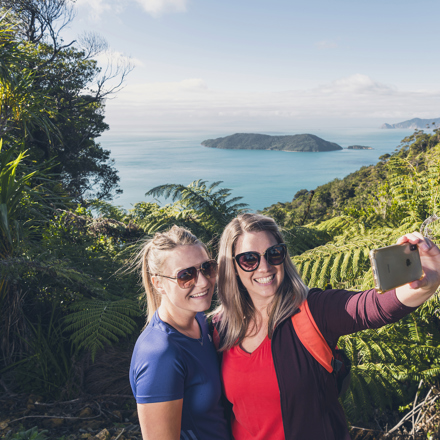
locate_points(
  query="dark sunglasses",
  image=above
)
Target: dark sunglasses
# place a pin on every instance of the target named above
(187, 278)
(249, 261)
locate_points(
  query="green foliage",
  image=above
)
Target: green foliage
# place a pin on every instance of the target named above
(204, 209)
(107, 210)
(52, 97)
(51, 255)
(416, 187)
(85, 167)
(96, 323)
(62, 295)
(22, 106)
(343, 262)
(300, 239)
(374, 190)
(12, 189)
(388, 363)
(49, 367)
(30, 434)
(338, 197)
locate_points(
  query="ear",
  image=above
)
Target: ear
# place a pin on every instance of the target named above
(158, 284)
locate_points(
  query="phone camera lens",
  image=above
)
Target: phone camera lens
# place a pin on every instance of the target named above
(412, 247)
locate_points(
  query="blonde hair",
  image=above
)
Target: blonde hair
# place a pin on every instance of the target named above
(151, 257)
(236, 312)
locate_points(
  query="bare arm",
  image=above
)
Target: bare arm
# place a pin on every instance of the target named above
(416, 293)
(161, 420)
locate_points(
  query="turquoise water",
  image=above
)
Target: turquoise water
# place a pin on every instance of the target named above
(146, 160)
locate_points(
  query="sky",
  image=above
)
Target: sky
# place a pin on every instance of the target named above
(265, 66)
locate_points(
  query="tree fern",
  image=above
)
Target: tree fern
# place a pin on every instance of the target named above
(302, 238)
(95, 324)
(389, 362)
(202, 208)
(211, 204)
(343, 261)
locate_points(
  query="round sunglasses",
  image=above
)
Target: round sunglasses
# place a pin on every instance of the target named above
(187, 278)
(249, 261)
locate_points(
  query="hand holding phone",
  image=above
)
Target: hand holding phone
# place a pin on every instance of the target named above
(396, 265)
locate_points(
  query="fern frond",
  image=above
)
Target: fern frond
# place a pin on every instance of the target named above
(96, 323)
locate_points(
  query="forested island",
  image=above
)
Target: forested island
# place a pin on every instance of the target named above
(69, 315)
(252, 141)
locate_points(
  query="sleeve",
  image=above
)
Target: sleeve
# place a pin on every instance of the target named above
(341, 312)
(158, 372)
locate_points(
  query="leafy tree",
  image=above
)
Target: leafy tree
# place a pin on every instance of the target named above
(53, 262)
(71, 89)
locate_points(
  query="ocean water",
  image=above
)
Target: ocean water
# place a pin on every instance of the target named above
(261, 178)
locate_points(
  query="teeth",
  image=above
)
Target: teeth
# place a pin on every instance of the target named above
(198, 294)
(265, 280)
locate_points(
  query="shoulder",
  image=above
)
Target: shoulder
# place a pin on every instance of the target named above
(156, 344)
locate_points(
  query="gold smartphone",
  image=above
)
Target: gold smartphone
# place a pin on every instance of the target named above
(396, 265)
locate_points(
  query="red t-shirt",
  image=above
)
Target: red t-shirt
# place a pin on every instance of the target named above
(251, 386)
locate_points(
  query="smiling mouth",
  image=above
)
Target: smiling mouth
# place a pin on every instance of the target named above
(199, 295)
(266, 280)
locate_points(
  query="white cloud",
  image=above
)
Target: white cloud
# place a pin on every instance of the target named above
(357, 83)
(117, 58)
(95, 8)
(159, 7)
(164, 91)
(191, 102)
(324, 44)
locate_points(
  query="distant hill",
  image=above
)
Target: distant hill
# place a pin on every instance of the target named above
(359, 147)
(251, 141)
(414, 124)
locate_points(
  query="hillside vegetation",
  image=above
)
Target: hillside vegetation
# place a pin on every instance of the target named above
(368, 191)
(69, 314)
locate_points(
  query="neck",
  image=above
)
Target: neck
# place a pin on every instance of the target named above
(260, 322)
(262, 307)
(185, 323)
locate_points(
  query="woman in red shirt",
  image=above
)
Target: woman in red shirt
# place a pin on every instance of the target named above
(276, 388)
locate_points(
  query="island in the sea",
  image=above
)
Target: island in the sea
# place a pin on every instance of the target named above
(359, 147)
(252, 141)
(415, 124)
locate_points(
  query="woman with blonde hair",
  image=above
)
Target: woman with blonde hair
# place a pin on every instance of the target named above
(174, 372)
(278, 390)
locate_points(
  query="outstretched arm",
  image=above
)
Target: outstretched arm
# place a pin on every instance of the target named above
(416, 293)
(161, 420)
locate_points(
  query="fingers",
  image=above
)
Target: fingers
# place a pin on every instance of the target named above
(424, 244)
(418, 284)
(427, 245)
(413, 237)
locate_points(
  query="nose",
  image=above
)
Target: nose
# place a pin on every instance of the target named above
(202, 281)
(264, 265)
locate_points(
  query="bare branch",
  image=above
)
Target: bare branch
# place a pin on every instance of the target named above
(92, 44)
(117, 68)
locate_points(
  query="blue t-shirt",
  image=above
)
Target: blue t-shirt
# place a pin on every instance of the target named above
(168, 365)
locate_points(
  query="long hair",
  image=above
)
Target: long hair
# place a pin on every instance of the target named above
(236, 312)
(151, 257)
